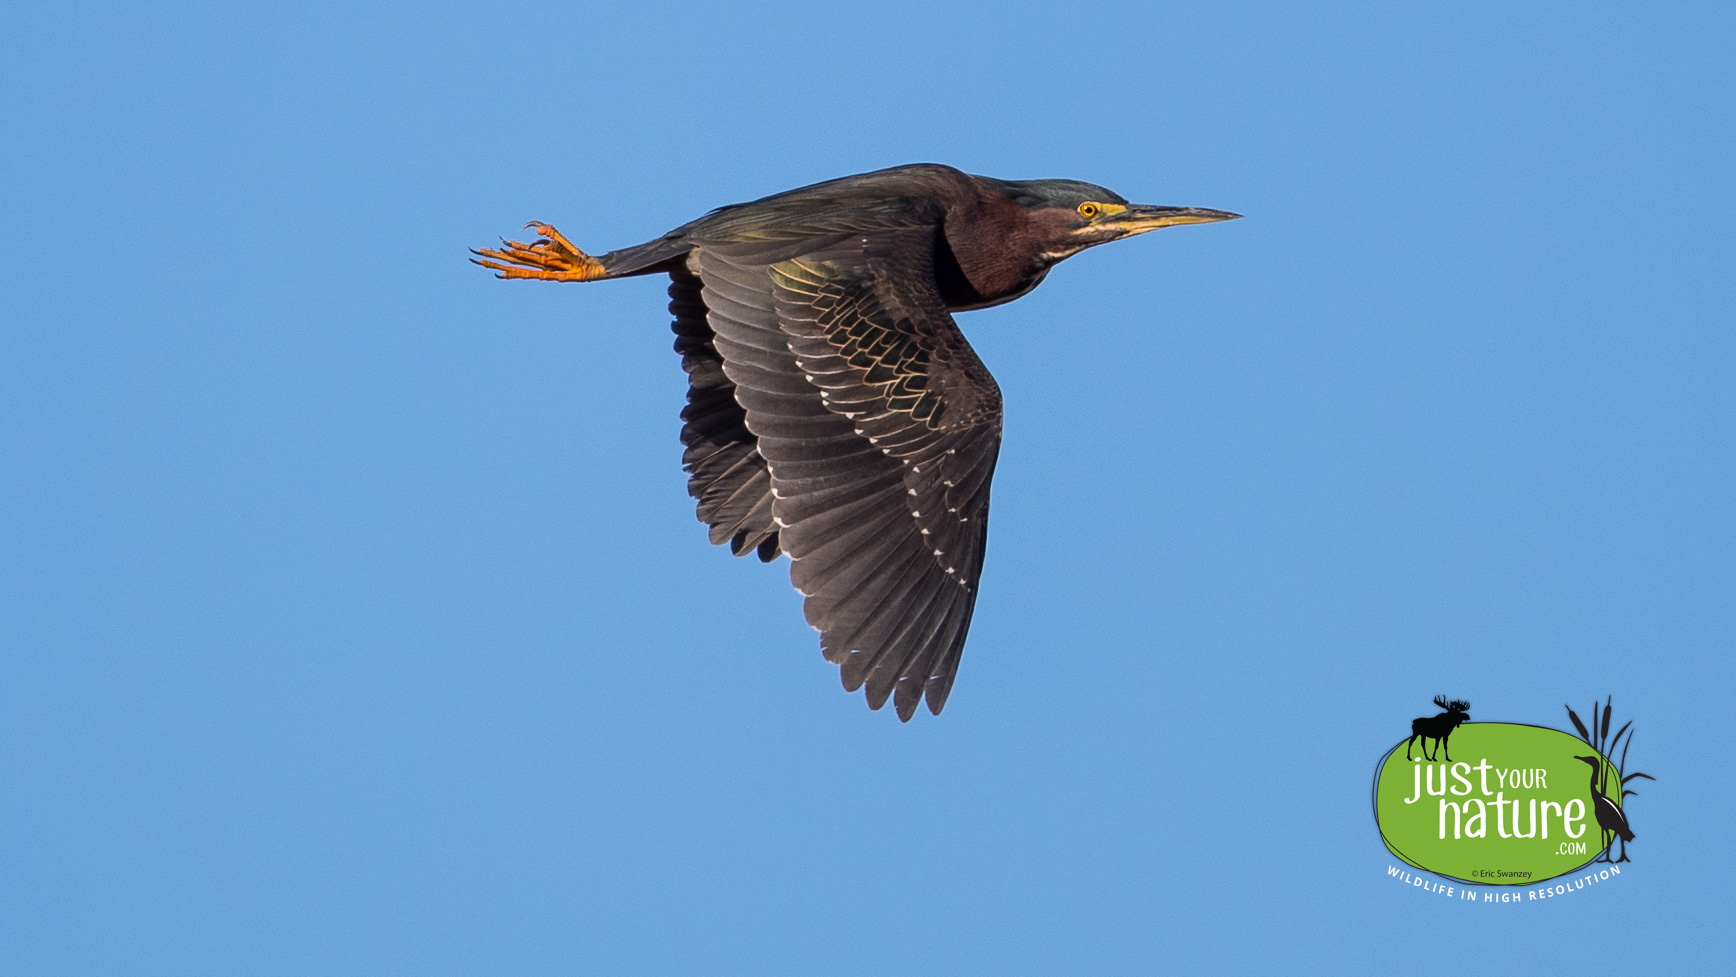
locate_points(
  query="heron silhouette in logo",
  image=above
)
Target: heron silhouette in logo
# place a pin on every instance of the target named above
(1609, 815)
(1438, 728)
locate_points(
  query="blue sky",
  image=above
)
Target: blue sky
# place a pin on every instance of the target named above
(353, 614)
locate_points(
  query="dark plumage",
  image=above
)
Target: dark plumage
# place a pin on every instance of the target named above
(834, 410)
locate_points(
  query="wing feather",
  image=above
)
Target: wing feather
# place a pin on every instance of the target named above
(727, 477)
(878, 428)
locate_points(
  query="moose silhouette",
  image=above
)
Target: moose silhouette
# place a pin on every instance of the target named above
(1438, 728)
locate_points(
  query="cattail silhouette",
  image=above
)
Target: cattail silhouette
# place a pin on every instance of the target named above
(1611, 818)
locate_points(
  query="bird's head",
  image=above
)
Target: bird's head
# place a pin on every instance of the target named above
(1594, 761)
(1074, 216)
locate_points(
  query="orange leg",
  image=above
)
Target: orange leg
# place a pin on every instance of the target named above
(550, 257)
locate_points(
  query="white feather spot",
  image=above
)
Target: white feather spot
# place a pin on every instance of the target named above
(911, 491)
(951, 569)
(947, 483)
(952, 451)
(939, 553)
(953, 509)
(925, 532)
(780, 522)
(916, 514)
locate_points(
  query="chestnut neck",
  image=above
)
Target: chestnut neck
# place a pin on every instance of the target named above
(991, 250)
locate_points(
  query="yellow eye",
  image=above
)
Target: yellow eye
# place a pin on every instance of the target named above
(1087, 210)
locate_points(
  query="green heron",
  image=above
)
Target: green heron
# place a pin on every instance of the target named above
(834, 410)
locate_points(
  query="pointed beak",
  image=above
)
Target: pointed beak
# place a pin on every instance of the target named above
(1139, 218)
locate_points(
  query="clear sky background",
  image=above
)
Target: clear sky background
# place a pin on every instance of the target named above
(354, 615)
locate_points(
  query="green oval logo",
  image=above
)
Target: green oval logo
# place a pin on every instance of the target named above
(1515, 805)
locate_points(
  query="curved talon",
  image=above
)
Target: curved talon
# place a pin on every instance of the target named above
(558, 239)
(549, 258)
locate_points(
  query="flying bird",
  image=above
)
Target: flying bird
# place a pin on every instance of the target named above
(835, 411)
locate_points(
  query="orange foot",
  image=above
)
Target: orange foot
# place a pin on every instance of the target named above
(550, 258)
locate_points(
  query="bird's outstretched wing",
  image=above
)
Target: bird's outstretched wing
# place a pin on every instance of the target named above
(880, 429)
(726, 475)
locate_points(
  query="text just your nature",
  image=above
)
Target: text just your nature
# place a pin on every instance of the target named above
(1470, 817)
